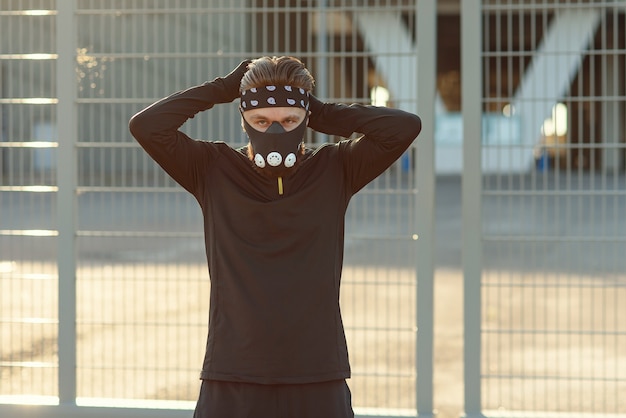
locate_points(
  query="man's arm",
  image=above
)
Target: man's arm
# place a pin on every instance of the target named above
(386, 135)
(156, 128)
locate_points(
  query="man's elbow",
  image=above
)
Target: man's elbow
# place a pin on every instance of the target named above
(413, 124)
(137, 125)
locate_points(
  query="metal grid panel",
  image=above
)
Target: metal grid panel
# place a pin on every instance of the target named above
(28, 276)
(141, 289)
(176, 59)
(554, 227)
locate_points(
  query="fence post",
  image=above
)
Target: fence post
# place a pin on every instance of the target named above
(426, 13)
(321, 70)
(471, 102)
(66, 197)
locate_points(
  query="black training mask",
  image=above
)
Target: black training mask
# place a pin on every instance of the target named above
(275, 150)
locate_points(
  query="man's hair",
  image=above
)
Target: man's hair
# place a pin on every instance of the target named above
(277, 71)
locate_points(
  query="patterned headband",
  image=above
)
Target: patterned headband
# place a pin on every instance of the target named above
(274, 96)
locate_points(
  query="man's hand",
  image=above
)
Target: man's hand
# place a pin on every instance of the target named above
(315, 107)
(231, 82)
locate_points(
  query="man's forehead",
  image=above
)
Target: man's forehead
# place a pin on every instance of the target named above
(275, 112)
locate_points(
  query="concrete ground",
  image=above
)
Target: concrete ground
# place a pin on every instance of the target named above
(554, 272)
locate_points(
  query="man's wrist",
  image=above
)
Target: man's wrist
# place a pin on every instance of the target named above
(325, 118)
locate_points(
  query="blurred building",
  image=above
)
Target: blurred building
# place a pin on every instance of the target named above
(553, 75)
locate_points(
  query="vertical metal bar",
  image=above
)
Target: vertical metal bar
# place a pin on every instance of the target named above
(321, 76)
(66, 198)
(471, 80)
(426, 11)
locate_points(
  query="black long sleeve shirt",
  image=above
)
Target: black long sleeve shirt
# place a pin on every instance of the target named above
(274, 260)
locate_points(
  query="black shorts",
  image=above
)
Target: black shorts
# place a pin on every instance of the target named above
(220, 399)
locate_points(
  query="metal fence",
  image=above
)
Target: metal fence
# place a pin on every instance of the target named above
(543, 316)
(103, 277)
(103, 283)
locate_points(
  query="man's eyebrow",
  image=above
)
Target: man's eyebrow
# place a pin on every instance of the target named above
(257, 116)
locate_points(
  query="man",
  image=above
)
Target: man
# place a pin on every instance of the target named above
(274, 232)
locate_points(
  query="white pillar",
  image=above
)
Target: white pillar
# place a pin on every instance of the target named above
(554, 65)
